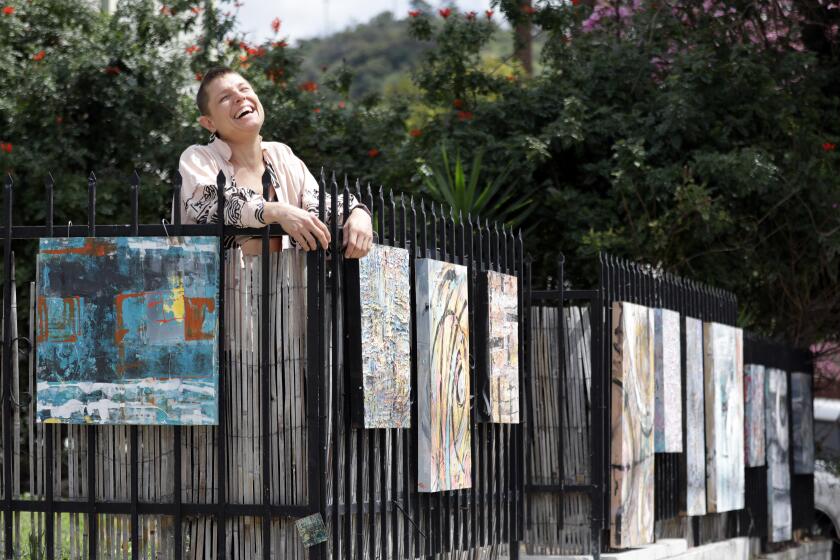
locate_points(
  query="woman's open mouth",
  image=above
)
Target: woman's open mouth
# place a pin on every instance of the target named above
(245, 112)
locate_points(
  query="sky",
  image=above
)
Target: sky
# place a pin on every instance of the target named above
(303, 19)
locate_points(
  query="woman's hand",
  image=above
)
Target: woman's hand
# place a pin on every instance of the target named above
(358, 234)
(305, 228)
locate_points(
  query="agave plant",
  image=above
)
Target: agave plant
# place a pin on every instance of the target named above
(495, 199)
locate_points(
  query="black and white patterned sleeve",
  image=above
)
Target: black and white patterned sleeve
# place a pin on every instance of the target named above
(243, 207)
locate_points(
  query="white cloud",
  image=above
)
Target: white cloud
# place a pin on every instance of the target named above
(312, 18)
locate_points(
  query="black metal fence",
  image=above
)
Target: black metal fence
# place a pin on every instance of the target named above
(621, 280)
(363, 482)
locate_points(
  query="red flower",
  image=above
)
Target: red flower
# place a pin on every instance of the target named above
(575, 2)
(243, 45)
(310, 86)
(6, 147)
(528, 9)
(280, 44)
(373, 152)
(196, 10)
(59, 120)
(471, 16)
(415, 133)
(465, 116)
(488, 14)
(342, 104)
(445, 12)
(8, 10)
(828, 147)
(198, 76)
(457, 103)
(251, 51)
(414, 13)
(39, 55)
(166, 10)
(275, 24)
(192, 49)
(316, 110)
(112, 70)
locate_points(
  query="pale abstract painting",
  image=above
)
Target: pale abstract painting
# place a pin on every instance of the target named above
(724, 382)
(127, 330)
(443, 377)
(754, 415)
(385, 297)
(631, 427)
(667, 363)
(695, 430)
(802, 405)
(779, 514)
(503, 347)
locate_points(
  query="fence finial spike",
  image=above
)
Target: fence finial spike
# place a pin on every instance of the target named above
(323, 177)
(135, 179)
(49, 181)
(221, 180)
(177, 179)
(460, 216)
(91, 178)
(369, 192)
(411, 201)
(9, 182)
(346, 182)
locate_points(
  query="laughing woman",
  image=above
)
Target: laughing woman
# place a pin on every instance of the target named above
(232, 113)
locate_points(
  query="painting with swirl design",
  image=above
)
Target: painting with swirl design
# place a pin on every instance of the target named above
(632, 426)
(443, 384)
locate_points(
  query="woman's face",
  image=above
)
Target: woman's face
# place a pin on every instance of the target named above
(234, 110)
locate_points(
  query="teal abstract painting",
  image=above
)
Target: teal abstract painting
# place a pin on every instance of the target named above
(127, 330)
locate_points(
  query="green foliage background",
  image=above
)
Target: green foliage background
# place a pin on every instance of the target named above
(687, 138)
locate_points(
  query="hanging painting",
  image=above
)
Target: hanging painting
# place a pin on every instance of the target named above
(443, 370)
(631, 427)
(127, 330)
(695, 453)
(724, 382)
(667, 358)
(497, 319)
(754, 415)
(380, 366)
(779, 514)
(802, 406)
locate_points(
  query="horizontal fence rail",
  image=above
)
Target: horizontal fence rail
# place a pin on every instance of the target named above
(128, 489)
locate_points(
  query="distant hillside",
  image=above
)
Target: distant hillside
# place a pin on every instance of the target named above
(381, 54)
(378, 52)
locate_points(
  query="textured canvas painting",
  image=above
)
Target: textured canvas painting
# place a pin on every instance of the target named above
(695, 432)
(631, 427)
(802, 406)
(667, 362)
(724, 382)
(779, 515)
(754, 415)
(503, 347)
(443, 384)
(385, 297)
(127, 330)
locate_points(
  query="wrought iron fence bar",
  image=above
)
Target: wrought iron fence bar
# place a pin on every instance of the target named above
(135, 519)
(8, 272)
(49, 433)
(176, 431)
(93, 535)
(335, 410)
(84, 506)
(266, 372)
(221, 429)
